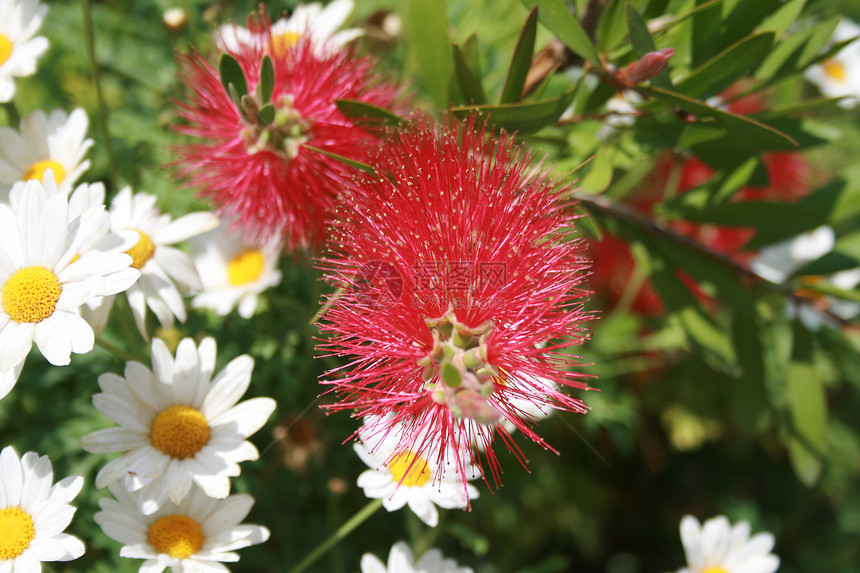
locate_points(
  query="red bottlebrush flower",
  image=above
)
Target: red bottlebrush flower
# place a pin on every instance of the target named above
(461, 291)
(259, 172)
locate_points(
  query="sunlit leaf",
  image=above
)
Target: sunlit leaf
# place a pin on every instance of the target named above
(807, 443)
(557, 18)
(428, 32)
(521, 60)
(470, 86)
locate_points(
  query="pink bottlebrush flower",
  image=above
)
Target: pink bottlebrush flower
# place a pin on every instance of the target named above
(261, 174)
(461, 296)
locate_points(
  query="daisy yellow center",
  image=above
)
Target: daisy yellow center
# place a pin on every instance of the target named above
(142, 251)
(5, 48)
(38, 169)
(176, 535)
(245, 267)
(180, 432)
(715, 570)
(283, 42)
(835, 70)
(31, 294)
(16, 532)
(409, 469)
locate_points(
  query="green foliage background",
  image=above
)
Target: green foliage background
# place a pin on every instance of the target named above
(729, 409)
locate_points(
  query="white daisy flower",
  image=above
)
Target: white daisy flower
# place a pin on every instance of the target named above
(56, 143)
(193, 535)
(320, 23)
(178, 425)
(718, 547)
(43, 282)
(401, 560)
(160, 265)
(19, 50)
(34, 513)
(839, 76)
(232, 272)
(403, 477)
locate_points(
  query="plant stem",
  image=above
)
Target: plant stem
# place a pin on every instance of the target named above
(89, 43)
(114, 349)
(338, 535)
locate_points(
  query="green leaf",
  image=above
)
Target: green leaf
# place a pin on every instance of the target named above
(749, 394)
(754, 133)
(472, 54)
(365, 113)
(428, 32)
(232, 75)
(523, 117)
(783, 17)
(705, 34)
(266, 115)
(521, 60)
(470, 86)
(267, 80)
(558, 19)
(599, 174)
(345, 160)
(743, 18)
(807, 443)
(723, 69)
(644, 43)
(829, 263)
(612, 26)
(820, 36)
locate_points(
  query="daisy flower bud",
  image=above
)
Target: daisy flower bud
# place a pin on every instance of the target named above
(460, 274)
(251, 157)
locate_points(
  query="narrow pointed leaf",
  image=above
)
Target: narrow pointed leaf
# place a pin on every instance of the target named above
(808, 409)
(345, 160)
(555, 15)
(267, 80)
(757, 133)
(524, 117)
(470, 86)
(781, 19)
(365, 113)
(720, 71)
(428, 32)
(521, 60)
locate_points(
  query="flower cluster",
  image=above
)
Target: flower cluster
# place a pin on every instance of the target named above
(183, 435)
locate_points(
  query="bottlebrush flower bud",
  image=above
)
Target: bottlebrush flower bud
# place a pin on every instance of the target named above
(649, 66)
